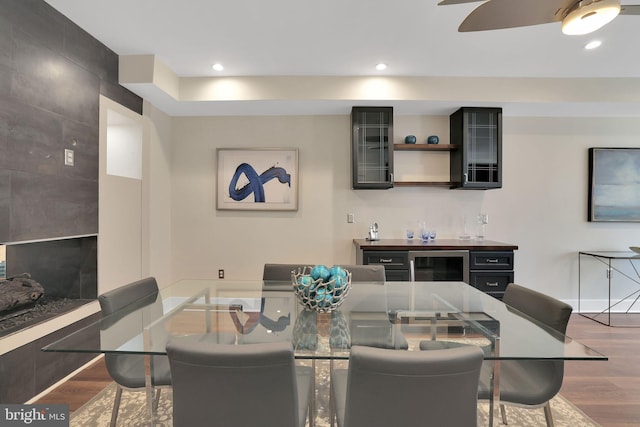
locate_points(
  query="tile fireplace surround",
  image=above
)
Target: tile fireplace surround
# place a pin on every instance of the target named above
(67, 269)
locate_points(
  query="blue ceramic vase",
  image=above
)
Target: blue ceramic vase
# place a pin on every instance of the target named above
(410, 139)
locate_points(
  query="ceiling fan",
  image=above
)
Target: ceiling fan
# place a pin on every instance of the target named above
(577, 17)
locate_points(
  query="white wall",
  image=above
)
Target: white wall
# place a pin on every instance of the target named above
(120, 197)
(157, 246)
(541, 207)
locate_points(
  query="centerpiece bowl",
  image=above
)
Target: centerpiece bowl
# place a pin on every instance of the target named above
(321, 289)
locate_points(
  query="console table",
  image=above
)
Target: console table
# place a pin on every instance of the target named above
(621, 264)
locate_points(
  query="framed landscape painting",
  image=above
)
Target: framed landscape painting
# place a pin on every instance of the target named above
(614, 184)
(257, 179)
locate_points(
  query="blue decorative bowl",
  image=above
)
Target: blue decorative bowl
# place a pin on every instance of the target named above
(410, 139)
(433, 139)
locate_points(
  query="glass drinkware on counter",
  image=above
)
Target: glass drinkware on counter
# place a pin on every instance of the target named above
(465, 235)
(425, 233)
(481, 226)
(410, 230)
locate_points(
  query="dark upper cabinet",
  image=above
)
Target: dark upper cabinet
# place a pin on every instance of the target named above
(372, 147)
(477, 163)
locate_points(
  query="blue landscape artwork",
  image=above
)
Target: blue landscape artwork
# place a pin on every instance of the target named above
(614, 184)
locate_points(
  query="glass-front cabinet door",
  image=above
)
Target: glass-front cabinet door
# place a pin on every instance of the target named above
(477, 163)
(372, 147)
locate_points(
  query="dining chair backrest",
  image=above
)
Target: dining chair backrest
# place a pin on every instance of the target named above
(239, 385)
(543, 308)
(281, 272)
(366, 273)
(139, 293)
(410, 388)
(359, 273)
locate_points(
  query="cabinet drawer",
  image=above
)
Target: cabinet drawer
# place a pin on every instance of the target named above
(491, 282)
(490, 260)
(398, 260)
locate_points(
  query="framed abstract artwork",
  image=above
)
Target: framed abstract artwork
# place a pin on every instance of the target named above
(257, 179)
(614, 184)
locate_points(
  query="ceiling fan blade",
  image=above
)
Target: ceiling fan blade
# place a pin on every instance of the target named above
(448, 2)
(628, 9)
(500, 14)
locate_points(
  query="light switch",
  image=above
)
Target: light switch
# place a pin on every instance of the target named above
(68, 157)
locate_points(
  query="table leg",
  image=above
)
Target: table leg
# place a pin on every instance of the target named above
(609, 274)
(148, 383)
(312, 402)
(494, 401)
(332, 408)
(149, 390)
(610, 269)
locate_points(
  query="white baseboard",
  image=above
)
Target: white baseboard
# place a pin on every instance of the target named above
(600, 305)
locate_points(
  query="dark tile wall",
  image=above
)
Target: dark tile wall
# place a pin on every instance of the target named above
(27, 370)
(51, 75)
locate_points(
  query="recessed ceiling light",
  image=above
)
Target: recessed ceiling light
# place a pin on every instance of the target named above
(593, 44)
(381, 66)
(218, 67)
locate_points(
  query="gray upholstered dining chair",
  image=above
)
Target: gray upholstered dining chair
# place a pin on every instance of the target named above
(241, 385)
(374, 328)
(281, 272)
(386, 336)
(128, 370)
(530, 383)
(359, 273)
(383, 387)
(366, 273)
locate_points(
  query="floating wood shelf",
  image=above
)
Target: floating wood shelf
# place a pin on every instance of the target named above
(425, 147)
(423, 184)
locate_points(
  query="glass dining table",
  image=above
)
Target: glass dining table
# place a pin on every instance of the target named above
(396, 315)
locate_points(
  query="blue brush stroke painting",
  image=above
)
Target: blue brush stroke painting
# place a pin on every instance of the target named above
(616, 185)
(256, 182)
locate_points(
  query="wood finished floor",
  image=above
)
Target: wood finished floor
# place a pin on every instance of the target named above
(608, 392)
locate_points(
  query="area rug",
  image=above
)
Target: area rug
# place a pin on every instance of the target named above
(97, 412)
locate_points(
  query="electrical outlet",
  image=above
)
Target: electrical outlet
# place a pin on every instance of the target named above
(220, 274)
(351, 218)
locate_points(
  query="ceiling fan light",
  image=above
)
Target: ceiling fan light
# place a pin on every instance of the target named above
(588, 17)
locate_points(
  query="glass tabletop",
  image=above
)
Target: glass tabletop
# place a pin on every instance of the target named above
(612, 254)
(397, 315)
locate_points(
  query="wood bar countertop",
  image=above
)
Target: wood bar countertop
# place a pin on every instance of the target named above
(436, 244)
